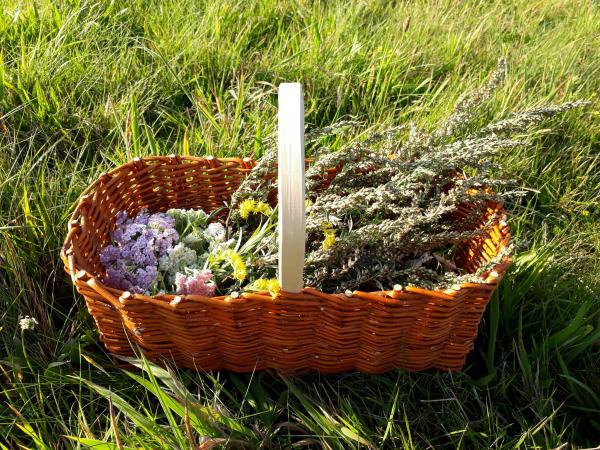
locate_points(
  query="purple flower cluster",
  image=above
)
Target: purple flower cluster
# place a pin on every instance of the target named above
(198, 283)
(131, 261)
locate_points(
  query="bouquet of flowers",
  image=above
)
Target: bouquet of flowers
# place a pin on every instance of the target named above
(184, 251)
(388, 217)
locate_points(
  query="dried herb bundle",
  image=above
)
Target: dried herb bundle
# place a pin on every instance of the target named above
(387, 217)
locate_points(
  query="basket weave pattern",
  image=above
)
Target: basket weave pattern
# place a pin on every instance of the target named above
(372, 332)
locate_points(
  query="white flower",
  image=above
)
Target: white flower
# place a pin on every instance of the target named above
(177, 259)
(28, 323)
(192, 239)
(215, 231)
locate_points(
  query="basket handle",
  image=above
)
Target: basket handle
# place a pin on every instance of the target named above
(290, 186)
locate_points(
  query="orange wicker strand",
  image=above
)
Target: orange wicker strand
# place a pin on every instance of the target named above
(372, 332)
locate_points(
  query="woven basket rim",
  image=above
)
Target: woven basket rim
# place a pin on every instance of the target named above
(117, 297)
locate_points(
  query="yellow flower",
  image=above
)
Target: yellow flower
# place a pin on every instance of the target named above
(263, 208)
(264, 284)
(236, 262)
(586, 213)
(329, 240)
(250, 206)
(246, 207)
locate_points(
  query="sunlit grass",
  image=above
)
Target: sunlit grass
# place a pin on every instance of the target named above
(87, 85)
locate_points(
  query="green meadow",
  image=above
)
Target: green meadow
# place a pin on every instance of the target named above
(86, 85)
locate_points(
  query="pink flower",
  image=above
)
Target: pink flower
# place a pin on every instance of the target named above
(197, 283)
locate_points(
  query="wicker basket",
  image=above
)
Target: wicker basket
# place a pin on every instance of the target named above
(372, 332)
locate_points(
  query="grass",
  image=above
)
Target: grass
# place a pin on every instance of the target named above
(86, 85)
